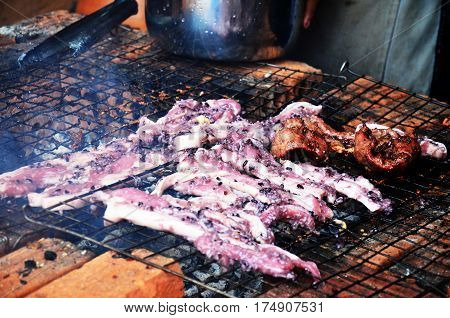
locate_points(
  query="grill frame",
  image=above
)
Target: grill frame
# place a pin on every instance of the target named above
(131, 61)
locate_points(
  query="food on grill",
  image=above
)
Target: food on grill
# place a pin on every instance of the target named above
(302, 179)
(237, 188)
(385, 149)
(357, 188)
(69, 167)
(203, 175)
(75, 174)
(312, 135)
(377, 147)
(428, 147)
(223, 235)
(79, 173)
(431, 148)
(251, 160)
(184, 116)
(289, 139)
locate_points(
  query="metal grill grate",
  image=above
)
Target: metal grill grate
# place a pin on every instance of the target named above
(53, 109)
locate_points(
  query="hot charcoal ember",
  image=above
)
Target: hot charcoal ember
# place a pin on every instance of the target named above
(223, 236)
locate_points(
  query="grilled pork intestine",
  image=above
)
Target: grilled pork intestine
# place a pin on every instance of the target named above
(184, 116)
(385, 150)
(101, 171)
(312, 135)
(377, 147)
(226, 236)
(235, 128)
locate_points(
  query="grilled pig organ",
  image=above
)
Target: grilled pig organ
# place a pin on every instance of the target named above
(385, 150)
(377, 147)
(312, 135)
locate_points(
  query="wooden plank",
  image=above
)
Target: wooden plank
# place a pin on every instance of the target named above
(110, 276)
(17, 281)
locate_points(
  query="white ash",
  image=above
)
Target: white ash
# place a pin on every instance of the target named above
(201, 276)
(59, 137)
(191, 290)
(220, 285)
(62, 150)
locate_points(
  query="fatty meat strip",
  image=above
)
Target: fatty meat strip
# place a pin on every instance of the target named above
(213, 234)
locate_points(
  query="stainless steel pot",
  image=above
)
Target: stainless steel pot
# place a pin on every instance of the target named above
(229, 30)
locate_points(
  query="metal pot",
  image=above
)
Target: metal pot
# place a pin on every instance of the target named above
(229, 30)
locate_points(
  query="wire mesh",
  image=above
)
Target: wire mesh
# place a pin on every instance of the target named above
(63, 107)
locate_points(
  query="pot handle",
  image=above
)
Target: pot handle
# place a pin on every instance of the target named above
(297, 9)
(82, 34)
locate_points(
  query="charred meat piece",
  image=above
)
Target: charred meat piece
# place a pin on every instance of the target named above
(312, 135)
(340, 142)
(377, 147)
(288, 140)
(385, 150)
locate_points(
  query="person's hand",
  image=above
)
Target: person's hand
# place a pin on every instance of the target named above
(309, 12)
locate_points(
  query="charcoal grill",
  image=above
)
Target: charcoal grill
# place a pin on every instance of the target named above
(64, 107)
